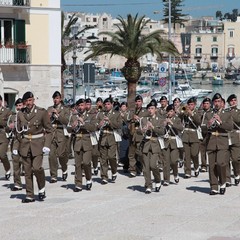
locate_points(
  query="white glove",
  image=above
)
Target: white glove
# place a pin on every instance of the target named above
(46, 150)
(15, 152)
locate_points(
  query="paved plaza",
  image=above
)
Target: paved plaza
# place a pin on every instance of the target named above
(121, 211)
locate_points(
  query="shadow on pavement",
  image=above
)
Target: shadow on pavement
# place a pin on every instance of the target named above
(199, 189)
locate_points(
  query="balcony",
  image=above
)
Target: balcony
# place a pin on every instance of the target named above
(230, 56)
(198, 55)
(15, 54)
(214, 56)
(15, 3)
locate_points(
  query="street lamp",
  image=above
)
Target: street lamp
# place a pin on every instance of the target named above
(74, 31)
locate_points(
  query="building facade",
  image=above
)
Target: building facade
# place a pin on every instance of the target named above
(30, 49)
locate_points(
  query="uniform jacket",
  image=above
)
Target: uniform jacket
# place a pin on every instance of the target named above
(235, 133)
(221, 140)
(36, 122)
(59, 123)
(4, 115)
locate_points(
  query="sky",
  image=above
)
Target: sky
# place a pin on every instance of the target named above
(195, 8)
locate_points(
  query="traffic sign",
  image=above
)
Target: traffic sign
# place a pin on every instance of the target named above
(162, 82)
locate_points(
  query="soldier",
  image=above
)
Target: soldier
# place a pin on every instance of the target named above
(172, 142)
(109, 122)
(206, 107)
(162, 110)
(59, 116)
(151, 127)
(219, 123)
(135, 137)
(235, 138)
(4, 141)
(16, 159)
(34, 133)
(99, 104)
(190, 138)
(83, 124)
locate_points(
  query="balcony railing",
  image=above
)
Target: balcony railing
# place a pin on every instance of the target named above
(15, 3)
(15, 54)
(198, 55)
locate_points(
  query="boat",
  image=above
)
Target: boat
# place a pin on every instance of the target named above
(236, 82)
(217, 80)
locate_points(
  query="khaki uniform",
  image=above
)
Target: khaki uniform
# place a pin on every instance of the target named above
(34, 132)
(151, 149)
(59, 140)
(83, 147)
(218, 148)
(190, 142)
(4, 141)
(171, 152)
(135, 139)
(107, 142)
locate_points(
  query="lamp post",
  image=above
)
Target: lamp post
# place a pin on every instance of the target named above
(74, 31)
(170, 57)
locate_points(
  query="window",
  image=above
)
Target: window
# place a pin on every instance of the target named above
(6, 31)
(198, 51)
(231, 34)
(150, 26)
(104, 39)
(214, 39)
(231, 52)
(214, 51)
(198, 39)
(94, 19)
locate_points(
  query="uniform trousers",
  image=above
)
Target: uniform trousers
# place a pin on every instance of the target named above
(33, 165)
(171, 157)
(17, 163)
(133, 153)
(108, 157)
(95, 156)
(202, 149)
(3, 156)
(150, 163)
(82, 162)
(235, 157)
(217, 167)
(191, 153)
(58, 151)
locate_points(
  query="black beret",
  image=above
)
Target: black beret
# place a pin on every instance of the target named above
(138, 97)
(81, 100)
(170, 107)
(231, 97)
(154, 101)
(163, 98)
(19, 100)
(88, 100)
(124, 103)
(207, 100)
(27, 95)
(192, 100)
(108, 100)
(72, 105)
(175, 99)
(217, 96)
(99, 99)
(152, 104)
(0, 98)
(56, 94)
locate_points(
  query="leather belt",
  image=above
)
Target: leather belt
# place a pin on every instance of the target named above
(219, 134)
(34, 136)
(190, 129)
(107, 131)
(237, 131)
(80, 135)
(57, 126)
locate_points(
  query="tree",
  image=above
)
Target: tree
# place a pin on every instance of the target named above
(219, 15)
(129, 42)
(176, 12)
(66, 32)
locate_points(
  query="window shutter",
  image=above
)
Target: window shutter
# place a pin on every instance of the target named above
(20, 55)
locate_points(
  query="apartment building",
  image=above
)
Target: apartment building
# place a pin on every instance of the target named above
(30, 49)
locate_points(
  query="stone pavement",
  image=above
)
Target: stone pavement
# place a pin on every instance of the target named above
(121, 211)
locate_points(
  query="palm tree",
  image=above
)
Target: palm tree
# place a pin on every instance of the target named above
(66, 32)
(130, 42)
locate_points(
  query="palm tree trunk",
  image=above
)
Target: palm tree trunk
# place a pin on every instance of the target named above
(131, 95)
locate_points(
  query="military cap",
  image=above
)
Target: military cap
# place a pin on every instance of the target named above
(207, 99)
(88, 100)
(72, 105)
(0, 98)
(154, 101)
(108, 100)
(56, 94)
(231, 97)
(19, 100)
(216, 96)
(170, 107)
(152, 104)
(79, 101)
(27, 95)
(99, 99)
(163, 98)
(124, 103)
(138, 97)
(192, 100)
